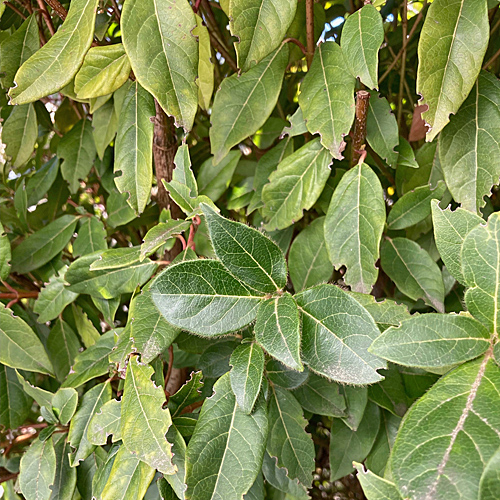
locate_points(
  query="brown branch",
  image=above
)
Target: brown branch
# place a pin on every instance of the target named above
(18, 295)
(310, 31)
(58, 8)
(46, 17)
(223, 51)
(116, 9)
(492, 59)
(359, 136)
(404, 16)
(170, 367)
(15, 9)
(8, 477)
(299, 44)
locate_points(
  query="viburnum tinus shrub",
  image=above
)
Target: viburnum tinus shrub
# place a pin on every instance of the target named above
(249, 249)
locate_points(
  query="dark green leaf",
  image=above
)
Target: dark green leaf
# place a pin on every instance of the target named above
(91, 237)
(15, 404)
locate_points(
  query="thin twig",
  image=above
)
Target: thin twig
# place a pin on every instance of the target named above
(116, 9)
(15, 9)
(46, 17)
(403, 61)
(224, 53)
(492, 59)
(58, 8)
(170, 366)
(196, 6)
(310, 31)
(19, 295)
(299, 44)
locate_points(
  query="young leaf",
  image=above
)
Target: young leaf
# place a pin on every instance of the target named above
(19, 345)
(469, 147)
(251, 98)
(226, 450)
(134, 147)
(247, 362)
(362, 36)
(260, 26)
(203, 297)
(277, 330)
(336, 334)
(327, 97)
(375, 487)
(15, 404)
(65, 478)
(461, 405)
(164, 54)
(105, 423)
(104, 70)
(308, 259)
(144, 423)
(205, 80)
(354, 225)
(278, 478)
(295, 185)
(91, 237)
(56, 63)
(447, 67)
(433, 341)
(288, 440)
(413, 271)
(249, 255)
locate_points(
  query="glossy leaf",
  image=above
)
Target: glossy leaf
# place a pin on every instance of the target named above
(19, 133)
(327, 97)
(354, 225)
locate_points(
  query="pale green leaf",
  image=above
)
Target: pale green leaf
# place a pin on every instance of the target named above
(297, 124)
(41, 396)
(104, 70)
(226, 450)
(77, 149)
(101, 475)
(19, 345)
(406, 157)
(433, 341)
(134, 147)
(181, 195)
(144, 423)
(19, 134)
(15, 404)
(213, 180)
(164, 54)
(243, 103)
(105, 422)
(5, 254)
(354, 225)
(375, 487)
(277, 330)
(336, 334)
(160, 233)
(91, 237)
(413, 270)
(56, 63)
(288, 440)
(205, 80)
(451, 48)
(182, 172)
(65, 478)
(204, 298)
(489, 487)
(327, 97)
(469, 147)
(449, 434)
(115, 258)
(119, 211)
(84, 326)
(362, 36)
(259, 26)
(247, 363)
(295, 185)
(42, 181)
(105, 123)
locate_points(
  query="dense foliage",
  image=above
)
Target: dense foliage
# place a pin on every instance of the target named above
(239, 260)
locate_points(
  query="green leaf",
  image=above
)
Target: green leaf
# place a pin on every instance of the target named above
(105, 123)
(450, 230)
(449, 435)
(257, 491)
(160, 233)
(42, 181)
(119, 211)
(144, 423)
(277, 330)
(64, 404)
(375, 487)
(295, 185)
(406, 157)
(243, 103)
(382, 131)
(481, 268)
(148, 329)
(105, 423)
(448, 67)
(129, 478)
(354, 225)
(41, 396)
(182, 172)
(362, 36)
(91, 403)
(259, 26)
(85, 328)
(308, 259)
(414, 206)
(177, 480)
(213, 180)
(214, 361)
(53, 298)
(205, 80)
(115, 258)
(188, 394)
(17, 48)
(91, 363)
(5, 254)
(285, 377)
(347, 445)
(390, 393)
(38, 470)
(107, 283)
(19, 345)
(134, 147)
(327, 97)
(248, 254)
(489, 487)
(288, 440)
(91, 237)
(104, 70)
(101, 475)
(164, 54)
(469, 147)
(247, 362)
(65, 478)
(321, 397)
(226, 450)
(432, 341)
(19, 134)
(180, 193)
(15, 404)
(56, 63)
(336, 334)
(77, 149)
(413, 270)
(204, 298)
